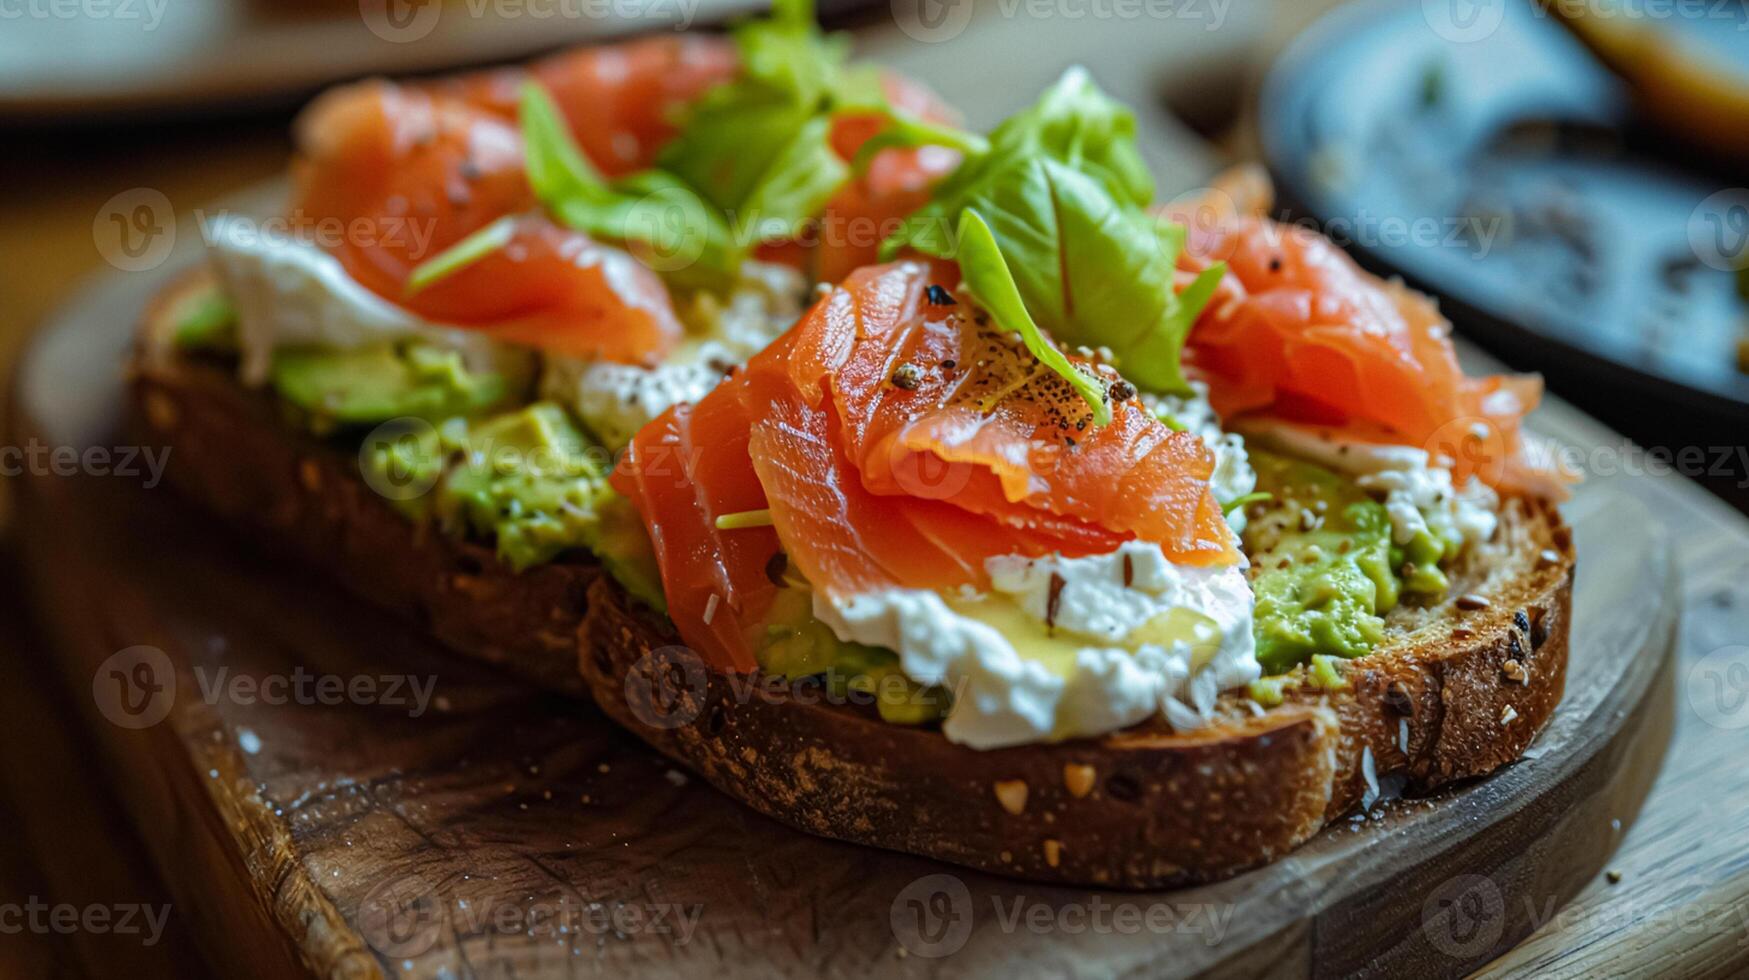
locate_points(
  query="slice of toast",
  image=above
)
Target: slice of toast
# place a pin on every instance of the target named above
(1458, 690)
(232, 452)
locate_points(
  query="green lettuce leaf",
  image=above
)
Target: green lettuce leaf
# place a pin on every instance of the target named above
(1064, 193)
(991, 282)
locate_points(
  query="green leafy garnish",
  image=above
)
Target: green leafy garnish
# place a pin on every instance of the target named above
(462, 254)
(988, 279)
(1063, 190)
(905, 130)
(799, 182)
(1246, 500)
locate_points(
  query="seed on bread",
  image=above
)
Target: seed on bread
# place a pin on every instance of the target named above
(1509, 716)
(1011, 793)
(1053, 852)
(1470, 602)
(1515, 672)
(1078, 779)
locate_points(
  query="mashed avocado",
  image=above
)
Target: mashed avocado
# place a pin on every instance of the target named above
(1324, 567)
(530, 481)
(795, 645)
(333, 388)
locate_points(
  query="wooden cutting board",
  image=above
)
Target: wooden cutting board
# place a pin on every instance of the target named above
(404, 812)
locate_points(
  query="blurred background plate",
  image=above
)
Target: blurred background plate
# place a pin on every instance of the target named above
(62, 59)
(1481, 152)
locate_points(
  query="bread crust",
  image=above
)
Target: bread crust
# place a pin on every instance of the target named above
(232, 452)
(1143, 808)
(1146, 807)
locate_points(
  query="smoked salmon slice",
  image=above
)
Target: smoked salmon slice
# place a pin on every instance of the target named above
(1298, 331)
(621, 100)
(898, 440)
(389, 177)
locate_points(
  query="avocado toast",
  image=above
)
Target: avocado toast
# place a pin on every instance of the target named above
(1064, 536)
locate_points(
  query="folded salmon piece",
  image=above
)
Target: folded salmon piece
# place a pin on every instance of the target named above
(899, 440)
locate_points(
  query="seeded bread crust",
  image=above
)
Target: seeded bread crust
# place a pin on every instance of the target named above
(1455, 693)
(1458, 690)
(232, 452)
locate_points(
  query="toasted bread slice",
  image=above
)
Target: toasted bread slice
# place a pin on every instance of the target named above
(1458, 690)
(232, 452)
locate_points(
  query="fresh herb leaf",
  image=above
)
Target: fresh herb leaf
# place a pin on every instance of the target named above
(462, 254)
(803, 177)
(656, 215)
(1246, 500)
(1063, 191)
(905, 130)
(989, 280)
(557, 168)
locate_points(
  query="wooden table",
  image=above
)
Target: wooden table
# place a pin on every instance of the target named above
(1681, 904)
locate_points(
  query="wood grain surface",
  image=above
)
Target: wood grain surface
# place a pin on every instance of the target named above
(490, 830)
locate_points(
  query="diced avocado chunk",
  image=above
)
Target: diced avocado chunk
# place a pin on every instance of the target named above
(796, 645)
(367, 385)
(205, 320)
(1321, 559)
(528, 480)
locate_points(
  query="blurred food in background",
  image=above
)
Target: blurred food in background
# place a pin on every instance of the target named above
(1483, 153)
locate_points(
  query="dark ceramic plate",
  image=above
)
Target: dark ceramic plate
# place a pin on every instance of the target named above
(1489, 160)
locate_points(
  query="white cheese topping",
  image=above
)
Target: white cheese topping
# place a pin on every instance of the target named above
(1417, 490)
(289, 292)
(1066, 647)
(616, 400)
